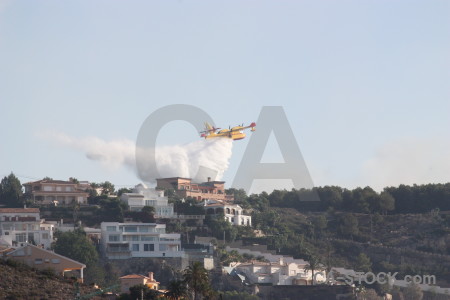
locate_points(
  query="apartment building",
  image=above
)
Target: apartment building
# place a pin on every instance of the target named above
(57, 192)
(19, 226)
(144, 196)
(233, 213)
(184, 187)
(126, 240)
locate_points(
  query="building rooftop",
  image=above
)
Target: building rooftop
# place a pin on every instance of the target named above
(80, 265)
(137, 276)
(169, 178)
(19, 210)
(50, 181)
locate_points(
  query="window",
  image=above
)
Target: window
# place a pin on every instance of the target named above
(38, 261)
(47, 188)
(55, 260)
(162, 247)
(114, 238)
(149, 247)
(143, 229)
(148, 238)
(58, 189)
(68, 188)
(20, 227)
(110, 228)
(21, 237)
(33, 227)
(45, 236)
(6, 233)
(150, 202)
(135, 247)
(130, 228)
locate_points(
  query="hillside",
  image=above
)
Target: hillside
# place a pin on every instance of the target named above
(18, 281)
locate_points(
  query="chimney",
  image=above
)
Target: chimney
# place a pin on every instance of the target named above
(150, 275)
(209, 179)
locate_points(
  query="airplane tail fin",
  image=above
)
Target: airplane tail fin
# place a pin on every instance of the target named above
(208, 126)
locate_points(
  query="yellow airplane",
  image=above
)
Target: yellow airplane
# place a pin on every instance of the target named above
(235, 133)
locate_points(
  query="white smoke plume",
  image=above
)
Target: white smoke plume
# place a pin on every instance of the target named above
(189, 160)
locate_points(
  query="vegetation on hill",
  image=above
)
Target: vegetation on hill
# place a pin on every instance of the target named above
(394, 230)
(18, 281)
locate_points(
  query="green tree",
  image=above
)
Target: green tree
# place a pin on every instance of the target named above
(219, 226)
(330, 196)
(387, 202)
(123, 191)
(107, 188)
(74, 180)
(177, 290)
(238, 194)
(320, 224)
(413, 292)
(348, 225)
(197, 279)
(279, 241)
(147, 214)
(368, 294)
(363, 263)
(77, 246)
(361, 198)
(111, 210)
(313, 265)
(11, 191)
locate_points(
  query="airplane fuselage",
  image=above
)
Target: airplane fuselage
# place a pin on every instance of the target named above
(234, 133)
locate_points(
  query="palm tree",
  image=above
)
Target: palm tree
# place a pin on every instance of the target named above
(197, 279)
(177, 290)
(313, 265)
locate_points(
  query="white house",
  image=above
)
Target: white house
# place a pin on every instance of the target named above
(143, 196)
(19, 226)
(278, 273)
(126, 240)
(233, 213)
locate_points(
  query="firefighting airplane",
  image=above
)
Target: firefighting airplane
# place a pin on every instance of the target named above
(235, 133)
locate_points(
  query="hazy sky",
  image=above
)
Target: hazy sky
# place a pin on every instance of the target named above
(365, 84)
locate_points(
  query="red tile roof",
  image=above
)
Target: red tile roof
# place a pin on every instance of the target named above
(137, 276)
(133, 276)
(50, 181)
(19, 210)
